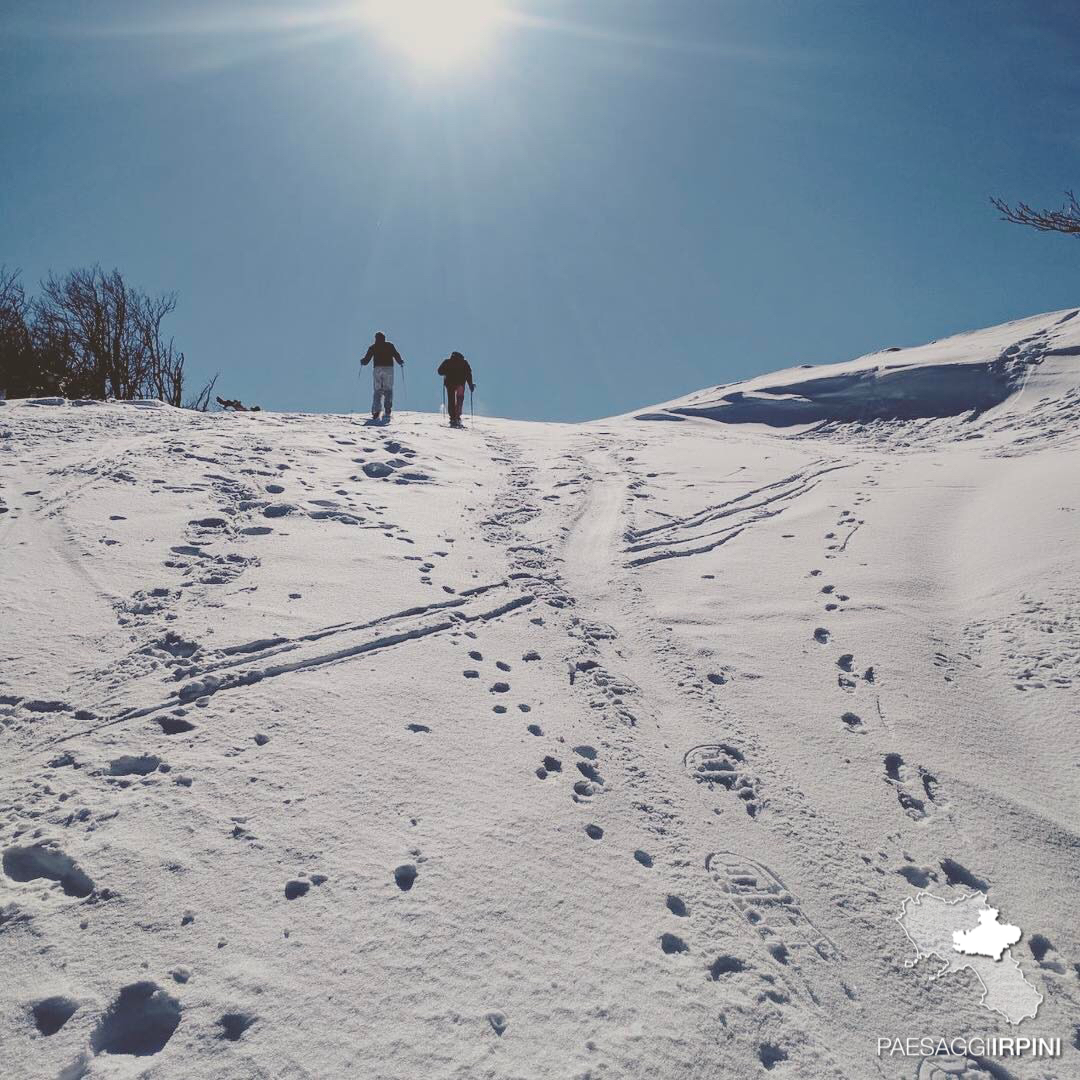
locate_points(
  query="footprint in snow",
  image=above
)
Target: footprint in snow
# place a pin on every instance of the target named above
(677, 906)
(672, 943)
(45, 860)
(550, 765)
(725, 965)
(770, 1055)
(787, 935)
(174, 725)
(721, 765)
(52, 1013)
(589, 771)
(592, 783)
(854, 723)
(919, 876)
(916, 789)
(139, 1022)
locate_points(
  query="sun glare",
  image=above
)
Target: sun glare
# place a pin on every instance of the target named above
(435, 33)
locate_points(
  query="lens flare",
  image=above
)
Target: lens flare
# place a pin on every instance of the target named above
(435, 33)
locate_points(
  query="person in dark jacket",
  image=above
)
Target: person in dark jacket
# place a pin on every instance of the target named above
(456, 375)
(383, 354)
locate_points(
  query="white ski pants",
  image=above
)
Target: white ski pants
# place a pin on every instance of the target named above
(384, 389)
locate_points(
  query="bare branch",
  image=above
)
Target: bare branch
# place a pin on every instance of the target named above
(17, 370)
(1065, 220)
(201, 401)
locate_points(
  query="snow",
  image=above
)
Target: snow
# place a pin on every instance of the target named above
(1020, 363)
(540, 750)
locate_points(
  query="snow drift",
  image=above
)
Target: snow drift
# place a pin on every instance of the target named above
(963, 375)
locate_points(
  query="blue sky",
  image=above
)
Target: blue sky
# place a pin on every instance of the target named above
(617, 202)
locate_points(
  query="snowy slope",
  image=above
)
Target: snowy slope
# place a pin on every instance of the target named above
(1020, 366)
(535, 750)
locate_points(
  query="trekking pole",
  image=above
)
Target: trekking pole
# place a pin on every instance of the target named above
(470, 408)
(404, 387)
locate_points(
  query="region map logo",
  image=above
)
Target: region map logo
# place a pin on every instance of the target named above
(966, 933)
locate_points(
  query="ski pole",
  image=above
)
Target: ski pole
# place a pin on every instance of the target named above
(404, 387)
(470, 408)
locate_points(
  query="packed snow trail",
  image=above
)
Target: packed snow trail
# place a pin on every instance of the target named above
(597, 750)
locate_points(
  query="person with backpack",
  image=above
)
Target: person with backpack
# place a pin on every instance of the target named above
(382, 354)
(456, 375)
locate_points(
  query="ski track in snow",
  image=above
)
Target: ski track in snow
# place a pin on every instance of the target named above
(546, 750)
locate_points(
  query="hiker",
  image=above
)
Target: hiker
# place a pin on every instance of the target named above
(456, 373)
(383, 353)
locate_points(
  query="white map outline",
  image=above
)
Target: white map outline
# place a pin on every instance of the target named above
(959, 960)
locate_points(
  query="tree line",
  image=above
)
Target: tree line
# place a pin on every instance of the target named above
(88, 334)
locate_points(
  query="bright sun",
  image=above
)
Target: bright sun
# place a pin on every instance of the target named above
(435, 33)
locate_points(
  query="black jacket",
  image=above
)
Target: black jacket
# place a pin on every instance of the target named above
(384, 353)
(456, 372)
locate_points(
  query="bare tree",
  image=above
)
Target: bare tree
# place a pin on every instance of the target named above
(89, 334)
(86, 315)
(1065, 220)
(201, 401)
(12, 300)
(18, 377)
(109, 337)
(162, 374)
